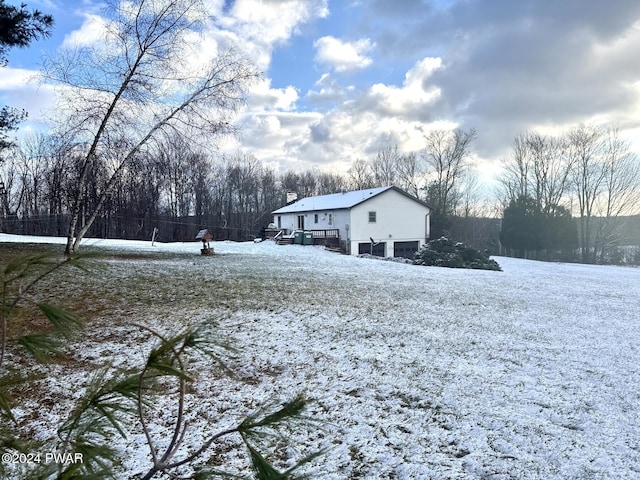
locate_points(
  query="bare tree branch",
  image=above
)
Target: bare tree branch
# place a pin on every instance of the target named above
(139, 85)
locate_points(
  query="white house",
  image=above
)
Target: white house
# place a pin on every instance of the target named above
(385, 221)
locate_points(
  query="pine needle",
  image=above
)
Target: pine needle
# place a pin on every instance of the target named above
(42, 346)
(289, 410)
(64, 322)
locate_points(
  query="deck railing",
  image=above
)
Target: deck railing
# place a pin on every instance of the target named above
(327, 233)
(272, 233)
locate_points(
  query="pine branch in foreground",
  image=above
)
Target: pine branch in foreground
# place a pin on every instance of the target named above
(118, 402)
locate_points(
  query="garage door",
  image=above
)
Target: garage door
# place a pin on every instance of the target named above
(378, 250)
(405, 249)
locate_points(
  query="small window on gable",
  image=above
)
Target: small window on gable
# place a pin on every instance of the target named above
(331, 219)
(315, 218)
(372, 217)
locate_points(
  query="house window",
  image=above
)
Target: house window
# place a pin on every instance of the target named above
(331, 219)
(372, 217)
(315, 218)
(279, 221)
(301, 222)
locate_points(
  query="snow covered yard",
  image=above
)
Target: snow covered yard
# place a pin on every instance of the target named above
(418, 372)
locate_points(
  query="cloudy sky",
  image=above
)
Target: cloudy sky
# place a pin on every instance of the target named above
(345, 78)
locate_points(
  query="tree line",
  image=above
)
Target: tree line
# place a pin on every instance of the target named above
(179, 189)
(589, 173)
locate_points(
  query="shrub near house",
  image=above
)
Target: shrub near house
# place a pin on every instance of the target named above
(447, 253)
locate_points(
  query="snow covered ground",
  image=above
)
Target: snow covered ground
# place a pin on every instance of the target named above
(417, 372)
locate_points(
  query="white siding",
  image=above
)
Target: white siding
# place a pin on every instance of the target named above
(342, 223)
(287, 221)
(398, 219)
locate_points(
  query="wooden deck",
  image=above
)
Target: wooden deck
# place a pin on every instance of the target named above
(329, 236)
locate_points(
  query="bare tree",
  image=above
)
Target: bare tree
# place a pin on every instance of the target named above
(621, 194)
(120, 96)
(243, 178)
(134, 205)
(218, 190)
(411, 173)
(623, 176)
(359, 175)
(586, 148)
(516, 177)
(307, 184)
(44, 163)
(270, 194)
(330, 183)
(469, 194)
(59, 161)
(290, 181)
(551, 169)
(177, 158)
(606, 181)
(446, 153)
(384, 166)
(12, 193)
(539, 167)
(32, 154)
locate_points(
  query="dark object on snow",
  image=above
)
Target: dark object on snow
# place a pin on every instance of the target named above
(447, 253)
(206, 236)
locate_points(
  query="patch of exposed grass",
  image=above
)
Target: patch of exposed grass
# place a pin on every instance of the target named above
(8, 251)
(117, 287)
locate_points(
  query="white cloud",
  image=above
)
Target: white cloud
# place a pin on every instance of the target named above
(330, 91)
(253, 26)
(414, 94)
(342, 55)
(276, 138)
(357, 124)
(260, 11)
(275, 20)
(260, 25)
(15, 78)
(20, 89)
(91, 32)
(267, 98)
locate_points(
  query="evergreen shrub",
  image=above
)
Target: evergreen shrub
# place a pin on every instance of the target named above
(444, 252)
